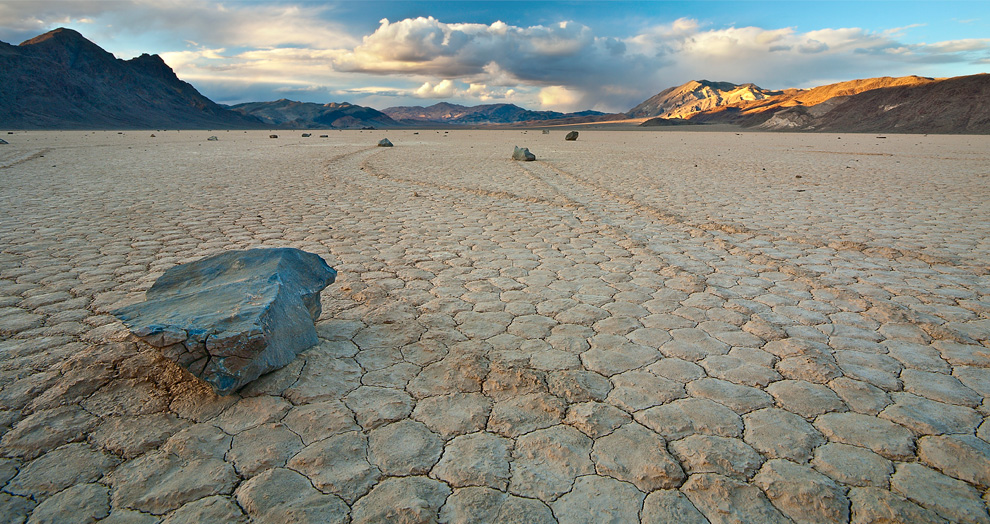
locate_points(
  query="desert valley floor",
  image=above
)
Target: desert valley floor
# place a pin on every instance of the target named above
(640, 326)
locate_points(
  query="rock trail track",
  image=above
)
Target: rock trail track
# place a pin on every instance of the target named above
(637, 327)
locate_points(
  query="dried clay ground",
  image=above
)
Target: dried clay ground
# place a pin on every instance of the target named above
(650, 326)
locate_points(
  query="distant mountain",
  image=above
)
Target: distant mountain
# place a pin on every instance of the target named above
(60, 80)
(454, 114)
(308, 115)
(909, 104)
(696, 96)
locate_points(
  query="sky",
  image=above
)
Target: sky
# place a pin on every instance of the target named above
(564, 56)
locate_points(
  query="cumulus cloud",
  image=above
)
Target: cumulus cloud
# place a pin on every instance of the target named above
(239, 48)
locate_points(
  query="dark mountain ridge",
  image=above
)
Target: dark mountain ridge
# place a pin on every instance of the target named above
(455, 114)
(61, 80)
(285, 113)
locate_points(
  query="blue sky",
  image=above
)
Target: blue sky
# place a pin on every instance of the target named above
(605, 55)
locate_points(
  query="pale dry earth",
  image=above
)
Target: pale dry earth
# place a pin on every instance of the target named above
(652, 326)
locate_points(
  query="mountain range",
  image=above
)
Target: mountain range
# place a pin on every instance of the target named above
(61, 80)
(309, 115)
(447, 113)
(908, 104)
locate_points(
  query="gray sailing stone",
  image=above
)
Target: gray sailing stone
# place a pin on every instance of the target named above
(572, 136)
(232, 317)
(522, 153)
(384, 143)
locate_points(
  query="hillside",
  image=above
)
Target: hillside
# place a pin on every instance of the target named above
(906, 104)
(695, 96)
(454, 114)
(60, 80)
(308, 115)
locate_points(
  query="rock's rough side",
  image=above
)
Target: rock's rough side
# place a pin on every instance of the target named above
(522, 153)
(232, 317)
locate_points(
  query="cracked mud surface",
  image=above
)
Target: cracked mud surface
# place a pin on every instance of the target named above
(637, 327)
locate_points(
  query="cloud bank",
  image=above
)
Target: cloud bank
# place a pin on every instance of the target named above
(260, 51)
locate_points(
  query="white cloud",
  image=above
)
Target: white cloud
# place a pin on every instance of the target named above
(239, 48)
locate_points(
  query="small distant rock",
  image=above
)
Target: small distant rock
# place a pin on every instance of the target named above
(307, 135)
(522, 153)
(213, 139)
(546, 131)
(572, 136)
(272, 136)
(152, 135)
(324, 136)
(384, 143)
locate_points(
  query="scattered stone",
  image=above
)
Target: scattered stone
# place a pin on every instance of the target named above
(403, 499)
(546, 462)
(572, 136)
(209, 509)
(522, 153)
(307, 135)
(853, 465)
(81, 503)
(781, 434)
(478, 459)
(4, 142)
(665, 506)
(338, 465)
(272, 136)
(635, 454)
(802, 493)
(281, 496)
(158, 482)
(230, 318)
(384, 143)
(952, 499)
(597, 499)
(212, 139)
(404, 448)
(730, 457)
(882, 436)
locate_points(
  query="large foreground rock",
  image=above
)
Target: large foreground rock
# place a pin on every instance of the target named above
(523, 154)
(233, 317)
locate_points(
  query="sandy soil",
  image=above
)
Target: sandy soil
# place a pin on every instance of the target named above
(643, 326)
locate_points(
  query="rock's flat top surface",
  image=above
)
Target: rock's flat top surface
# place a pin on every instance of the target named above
(634, 317)
(231, 317)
